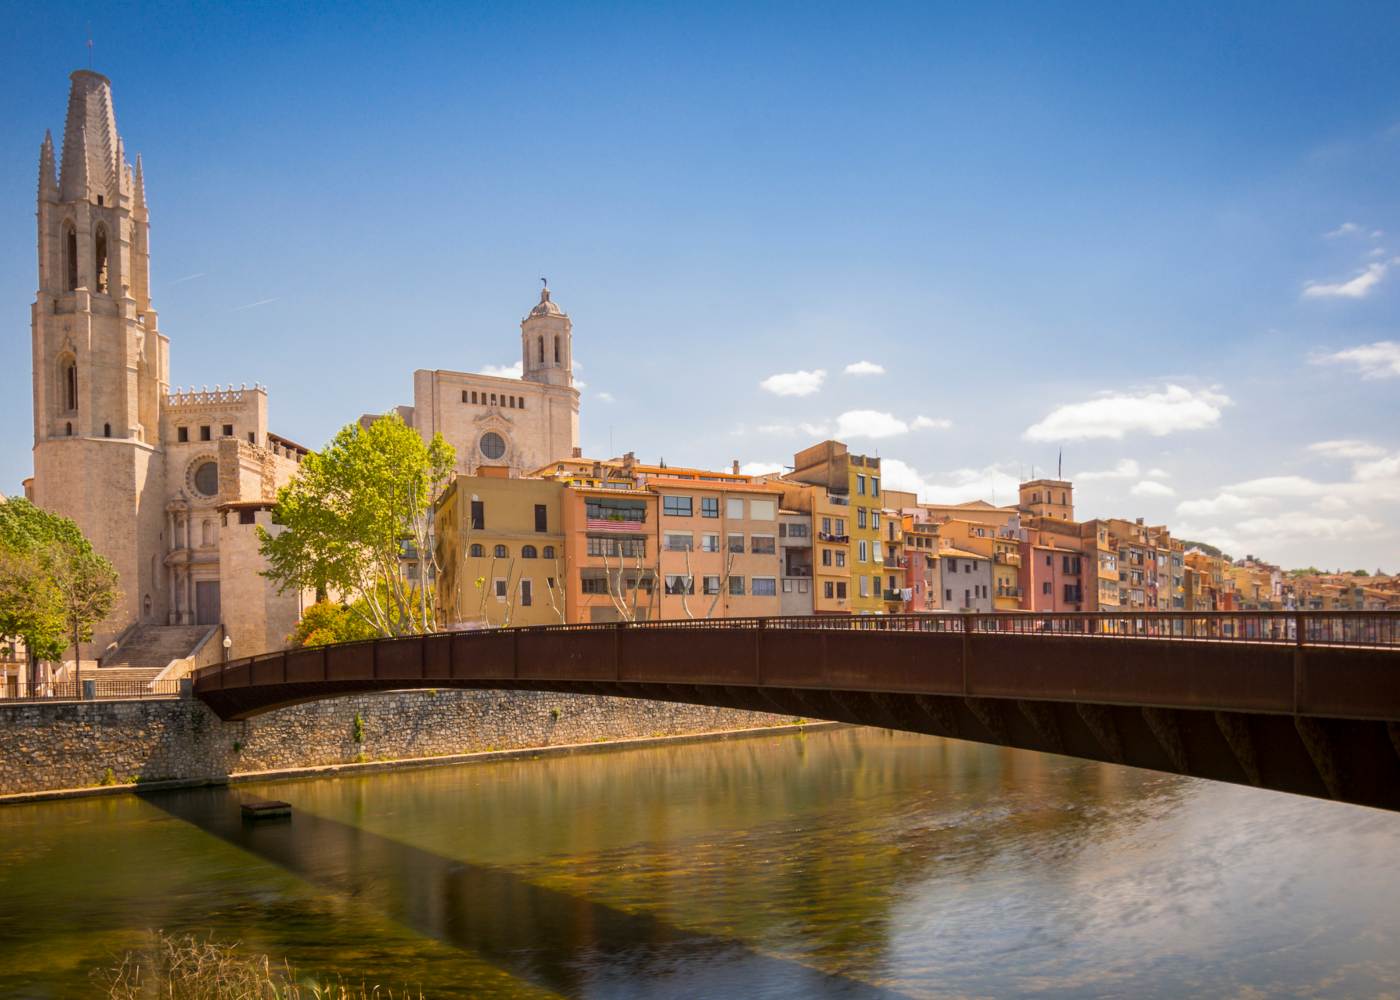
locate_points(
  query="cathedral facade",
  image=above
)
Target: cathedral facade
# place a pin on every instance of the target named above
(168, 485)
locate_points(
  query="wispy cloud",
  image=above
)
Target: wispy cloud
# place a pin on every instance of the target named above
(605, 397)
(1378, 360)
(1345, 229)
(922, 423)
(798, 383)
(1115, 415)
(1346, 448)
(1152, 488)
(1125, 469)
(761, 468)
(513, 370)
(869, 424)
(1357, 287)
(188, 277)
(994, 483)
(864, 368)
(260, 302)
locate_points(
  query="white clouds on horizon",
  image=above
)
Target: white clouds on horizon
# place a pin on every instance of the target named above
(1125, 469)
(798, 383)
(1378, 360)
(761, 468)
(605, 397)
(1152, 488)
(1346, 448)
(1115, 415)
(864, 368)
(993, 483)
(513, 370)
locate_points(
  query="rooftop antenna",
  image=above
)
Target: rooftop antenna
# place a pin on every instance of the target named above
(89, 44)
(1060, 466)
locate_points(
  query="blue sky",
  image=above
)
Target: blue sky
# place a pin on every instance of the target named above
(1162, 237)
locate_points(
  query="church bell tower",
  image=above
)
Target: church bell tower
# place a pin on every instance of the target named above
(546, 343)
(100, 364)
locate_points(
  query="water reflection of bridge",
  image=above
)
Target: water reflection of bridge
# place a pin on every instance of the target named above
(1305, 702)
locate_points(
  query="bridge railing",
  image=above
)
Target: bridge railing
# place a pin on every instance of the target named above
(93, 689)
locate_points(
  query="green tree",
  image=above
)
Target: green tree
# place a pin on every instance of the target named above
(326, 622)
(53, 586)
(357, 520)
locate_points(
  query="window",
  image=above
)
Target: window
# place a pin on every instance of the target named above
(764, 586)
(70, 252)
(501, 589)
(478, 515)
(864, 551)
(736, 544)
(556, 350)
(877, 552)
(246, 516)
(860, 517)
(676, 506)
(593, 583)
(948, 596)
(548, 552)
(799, 531)
(787, 586)
(1049, 560)
(763, 545)
(840, 525)
(709, 543)
(228, 430)
(680, 585)
(677, 541)
(529, 552)
(604, 546)
(736, 586)
(875, 519)
(841, 590)
(106, 430)
(616, 511)
(520, 402)
(865, 586)
(204, 433)
(476, 551)
(826, 557)
(860, 485)
(206, 478)
(182, 434)
(1045, 587)
(802, 586)
(511, 400)
(952, 565)
(763, 510)
(539, 343)
(874, 486)
(252, 437)
(474, 399)
(840, 558)
(526, 593)
(709, 506)
(99, 257)
(828, 590)
(465, 398)
(711, 585)
(492, 445)
(734, 508)
(501, 552)
(541, 517)
(826, 526)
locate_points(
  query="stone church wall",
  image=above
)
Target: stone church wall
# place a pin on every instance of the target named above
(45, 747)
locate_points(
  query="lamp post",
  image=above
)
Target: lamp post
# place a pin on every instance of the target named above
(228, 644)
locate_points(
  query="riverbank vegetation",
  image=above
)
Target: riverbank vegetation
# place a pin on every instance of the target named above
(186, 967)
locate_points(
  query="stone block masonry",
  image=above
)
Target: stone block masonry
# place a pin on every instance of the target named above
(44, 747)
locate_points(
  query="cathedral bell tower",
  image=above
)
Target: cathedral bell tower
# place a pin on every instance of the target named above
(100, 364)
(546, 343)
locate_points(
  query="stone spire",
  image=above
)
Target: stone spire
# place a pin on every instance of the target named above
(48, 171)
(138, 187)
(90, 143)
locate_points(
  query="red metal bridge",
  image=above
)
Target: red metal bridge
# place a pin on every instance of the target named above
(1304, 702)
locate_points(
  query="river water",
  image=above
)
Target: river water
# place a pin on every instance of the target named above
(837, 863)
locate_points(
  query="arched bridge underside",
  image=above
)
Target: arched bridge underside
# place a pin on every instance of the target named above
(1298, 702)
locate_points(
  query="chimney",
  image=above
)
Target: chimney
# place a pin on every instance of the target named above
(629, 461)
(597, 470)
(736, 467)
(578, 453)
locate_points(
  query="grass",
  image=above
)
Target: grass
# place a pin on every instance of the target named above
(190, 968)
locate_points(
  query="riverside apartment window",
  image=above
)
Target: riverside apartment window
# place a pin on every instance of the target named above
(676, 506)
(841, 591)
(679, 542)
(826, 526)
(501, 552)
(763, 545)
(860, 485)
(526, 593)
(711, 585)
(709, 543)
(874, 486)
(603, 546)
(477, 551)
(860, 517)
(736, 544)
(736, 586)
(875, 519)
(478, 515)
(541, 517)
(734, 508)
(864, 551)
(709, 506)
(763, 510)
(826, 557)
(1045, 588)
(840, 558)
(501, 590)
(680, 585)
(829, 590)
(765, 586)
(548, 553)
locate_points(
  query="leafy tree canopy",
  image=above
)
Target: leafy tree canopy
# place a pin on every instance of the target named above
(326, 622)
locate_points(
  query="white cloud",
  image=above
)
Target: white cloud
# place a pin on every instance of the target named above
(1223, 503)
(1346, 448)
(1345, 229)
(1300, 524)
(1115, 415)
(1353, 288)
(921, 423)
(1280, 486)
(1378, 360)
(513, 370)
(1158, 474)
(992, 483)
(761, 468)
(1379, 471)
(819, 430)
(1152, 488)
(798, 383)
(1125, 469)
(869, 424)
(605, 397)
(865, 368)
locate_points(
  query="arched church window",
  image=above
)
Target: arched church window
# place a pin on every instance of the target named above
(556, 350)
(501, 552)
(529, 552)
(70, 385)
(70, 257)
(106, 430)
(492, 445)
(99, 257)
(477, 551)
(541, 347)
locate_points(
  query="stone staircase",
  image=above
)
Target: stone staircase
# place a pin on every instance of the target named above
(150, 648)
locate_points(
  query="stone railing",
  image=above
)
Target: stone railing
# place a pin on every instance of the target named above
(206, 396)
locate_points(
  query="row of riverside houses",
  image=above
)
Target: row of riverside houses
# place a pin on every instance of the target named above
(582, 540)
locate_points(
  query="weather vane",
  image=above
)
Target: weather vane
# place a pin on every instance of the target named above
(545, 282)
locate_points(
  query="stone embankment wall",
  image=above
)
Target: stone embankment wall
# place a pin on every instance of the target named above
(75, 745)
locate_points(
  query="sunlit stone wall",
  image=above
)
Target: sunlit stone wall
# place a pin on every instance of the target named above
(70, 745)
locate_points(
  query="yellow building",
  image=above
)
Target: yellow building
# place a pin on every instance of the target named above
(501, 552)
(831, 544)
(852, 481)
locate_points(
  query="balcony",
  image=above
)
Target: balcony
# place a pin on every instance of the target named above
(827, 536)
(1007, 558)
